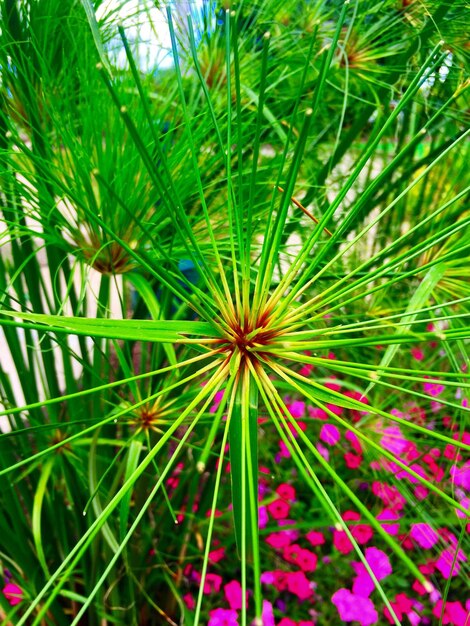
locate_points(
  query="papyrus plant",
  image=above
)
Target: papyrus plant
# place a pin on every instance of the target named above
(294, 185)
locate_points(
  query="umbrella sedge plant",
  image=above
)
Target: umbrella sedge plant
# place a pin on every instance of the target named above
(304, 287)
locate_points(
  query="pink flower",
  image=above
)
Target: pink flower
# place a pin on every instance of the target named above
(354, 441)
(281, 539)
(315, 537)
(420, 492)
(267, 615)
(461, 476)
(323, 451)
(223, 617)
(353, 608)
(417, 354)
(216, 555)
(287, 621)
(402, 606)
(263, 518)
(387, 516)
(233, 594)
(306, 560)
(286, 492)
(334, 408)
(284, 450)
(433, 389)
(212, 583)
(362, 533)
(295, 427)
(379, 563)
(279, 509)
(465, 502)
(12, 593)
(299, 585)
(330, 434)
(389, 495)
(217, 398)
(189, 601)
(403, 603)
(454, 613)
(394, 441)
(276, 577)
(297, 408)
(353, 461)
(267, 578)
(356, 395)
(424, 535)
(445, 563)
(341, 542)
(417, 469)
(316, 413)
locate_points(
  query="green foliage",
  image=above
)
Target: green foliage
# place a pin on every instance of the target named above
(179, 245)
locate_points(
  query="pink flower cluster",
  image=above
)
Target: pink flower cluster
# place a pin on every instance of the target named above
(12, 593)
(314, 574)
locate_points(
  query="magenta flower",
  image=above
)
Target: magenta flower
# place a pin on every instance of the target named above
(353, 461)
(267, 615)
(323, 451)
(286, 492)
(433, 389)
(461, 476)
(389, 495)
(283, 452)
(402, 606)
(280, 540)
(217, 398)
(223, 617)
(465, 502)
(279, 509)
(454, 613)
(12, 593)
(216, 555)
(354, 441)
(233, 594)
(297, 408)
(341, 542)
(315, 537)
(417, 354)
(388, 516)
(189, 601)
(417, 469)
(276, 577)
(330, 434)
(212, 583)
(362, 533)
(316, 413)
(287, 621)
(394, 441)
(354, 608)
(306, 560)
(379, 563)
(263, 517)
(446, 560)
(299, 585)
(356, 395)
(424, 535)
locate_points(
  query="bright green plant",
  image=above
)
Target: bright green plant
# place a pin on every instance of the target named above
(294, 185)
